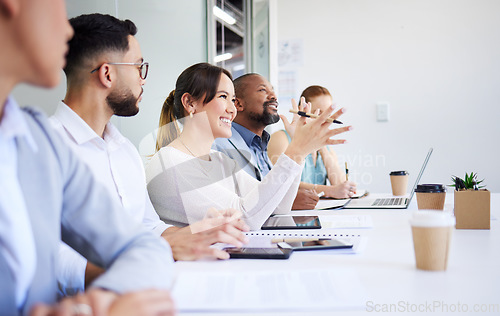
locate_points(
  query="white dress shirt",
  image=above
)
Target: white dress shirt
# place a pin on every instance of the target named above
(17, 245)
(116, 163)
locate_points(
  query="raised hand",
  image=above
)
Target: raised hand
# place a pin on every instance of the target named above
(290, 126)
(314, 134)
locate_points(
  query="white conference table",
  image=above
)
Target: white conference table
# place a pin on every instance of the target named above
(386, 268)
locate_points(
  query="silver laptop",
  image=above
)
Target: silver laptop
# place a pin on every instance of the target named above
(391, 202)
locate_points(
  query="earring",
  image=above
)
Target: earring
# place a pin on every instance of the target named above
(190, 114)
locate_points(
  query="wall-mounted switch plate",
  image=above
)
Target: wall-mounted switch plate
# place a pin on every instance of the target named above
(382, 112)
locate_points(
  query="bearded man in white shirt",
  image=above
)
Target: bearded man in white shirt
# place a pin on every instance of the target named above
(105, 73)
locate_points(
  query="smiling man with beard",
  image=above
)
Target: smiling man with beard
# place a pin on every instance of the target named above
(105, 72)
(257, 107)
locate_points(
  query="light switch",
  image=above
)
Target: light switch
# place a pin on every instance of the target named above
(382, 112)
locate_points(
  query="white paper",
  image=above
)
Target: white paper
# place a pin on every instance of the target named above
(241, 291)
(359, 193)
(346, 221)
(324, 204)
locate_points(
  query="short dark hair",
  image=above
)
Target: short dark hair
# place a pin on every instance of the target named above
(240, 84)
(96, 34)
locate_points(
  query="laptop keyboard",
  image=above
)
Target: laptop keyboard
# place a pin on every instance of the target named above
(389, 202)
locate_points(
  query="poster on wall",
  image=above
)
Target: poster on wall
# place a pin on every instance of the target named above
(290, 54)
(290, 58)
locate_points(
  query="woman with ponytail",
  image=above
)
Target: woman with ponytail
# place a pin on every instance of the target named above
(186, 177)
(167, 132)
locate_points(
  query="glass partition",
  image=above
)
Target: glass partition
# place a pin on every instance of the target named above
(238, 35)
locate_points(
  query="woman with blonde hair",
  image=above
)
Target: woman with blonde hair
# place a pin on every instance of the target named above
(321, 164)
(186, 177)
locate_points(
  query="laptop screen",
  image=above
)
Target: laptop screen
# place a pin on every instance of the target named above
(420, 174)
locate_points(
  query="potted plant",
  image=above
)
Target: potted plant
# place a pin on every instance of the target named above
(472, 203)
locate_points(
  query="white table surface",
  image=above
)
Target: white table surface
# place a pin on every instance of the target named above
(387, 269)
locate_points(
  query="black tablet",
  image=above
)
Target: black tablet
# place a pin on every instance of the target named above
(320, 244)
(292, 222)
(260, 253)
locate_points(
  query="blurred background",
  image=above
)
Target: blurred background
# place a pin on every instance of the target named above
(412, 74)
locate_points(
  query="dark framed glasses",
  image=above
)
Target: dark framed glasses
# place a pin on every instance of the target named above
(143, 68)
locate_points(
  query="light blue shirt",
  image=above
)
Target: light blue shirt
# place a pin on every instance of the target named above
(64, 201)
(258, 146)
(16, 238)
(312, 173)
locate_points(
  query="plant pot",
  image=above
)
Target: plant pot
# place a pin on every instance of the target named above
(472, 209)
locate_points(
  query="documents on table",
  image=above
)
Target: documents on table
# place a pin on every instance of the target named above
(336, 220)
(252, 291)
(328, 203)
(346, 221)
(325, 204)
(359, 193)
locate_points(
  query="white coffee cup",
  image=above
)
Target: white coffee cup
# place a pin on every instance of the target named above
(432, 231)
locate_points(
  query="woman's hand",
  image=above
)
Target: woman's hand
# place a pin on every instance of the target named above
(343, 190)
(313, 135)
(290, 126)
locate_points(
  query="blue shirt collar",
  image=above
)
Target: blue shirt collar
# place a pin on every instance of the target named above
(252, 139)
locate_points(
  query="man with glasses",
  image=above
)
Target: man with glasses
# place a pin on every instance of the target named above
(143, 68)
(105, 73)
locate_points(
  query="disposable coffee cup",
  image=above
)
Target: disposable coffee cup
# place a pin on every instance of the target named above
(430, 196)
(432, 231)
(399, 182)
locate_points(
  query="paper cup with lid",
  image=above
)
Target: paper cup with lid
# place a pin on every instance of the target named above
(432, 231)
(430, 196)
(399, 182)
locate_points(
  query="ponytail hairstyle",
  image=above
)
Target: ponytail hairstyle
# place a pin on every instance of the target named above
(314, 91)
(199, 81)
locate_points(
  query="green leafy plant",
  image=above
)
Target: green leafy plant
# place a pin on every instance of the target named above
(469, 183)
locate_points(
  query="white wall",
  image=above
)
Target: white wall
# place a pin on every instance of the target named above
(172, 35)
(437, 64)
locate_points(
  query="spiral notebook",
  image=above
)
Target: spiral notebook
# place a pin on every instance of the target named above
(262, 239)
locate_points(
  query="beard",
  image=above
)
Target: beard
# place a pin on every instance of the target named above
(266, 117)
(123, 102)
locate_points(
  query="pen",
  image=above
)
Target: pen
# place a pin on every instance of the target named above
(346, 172)
(304, 114)
(320, 194)
(297, 239)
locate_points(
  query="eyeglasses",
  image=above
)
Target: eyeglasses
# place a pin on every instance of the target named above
(143, 68)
